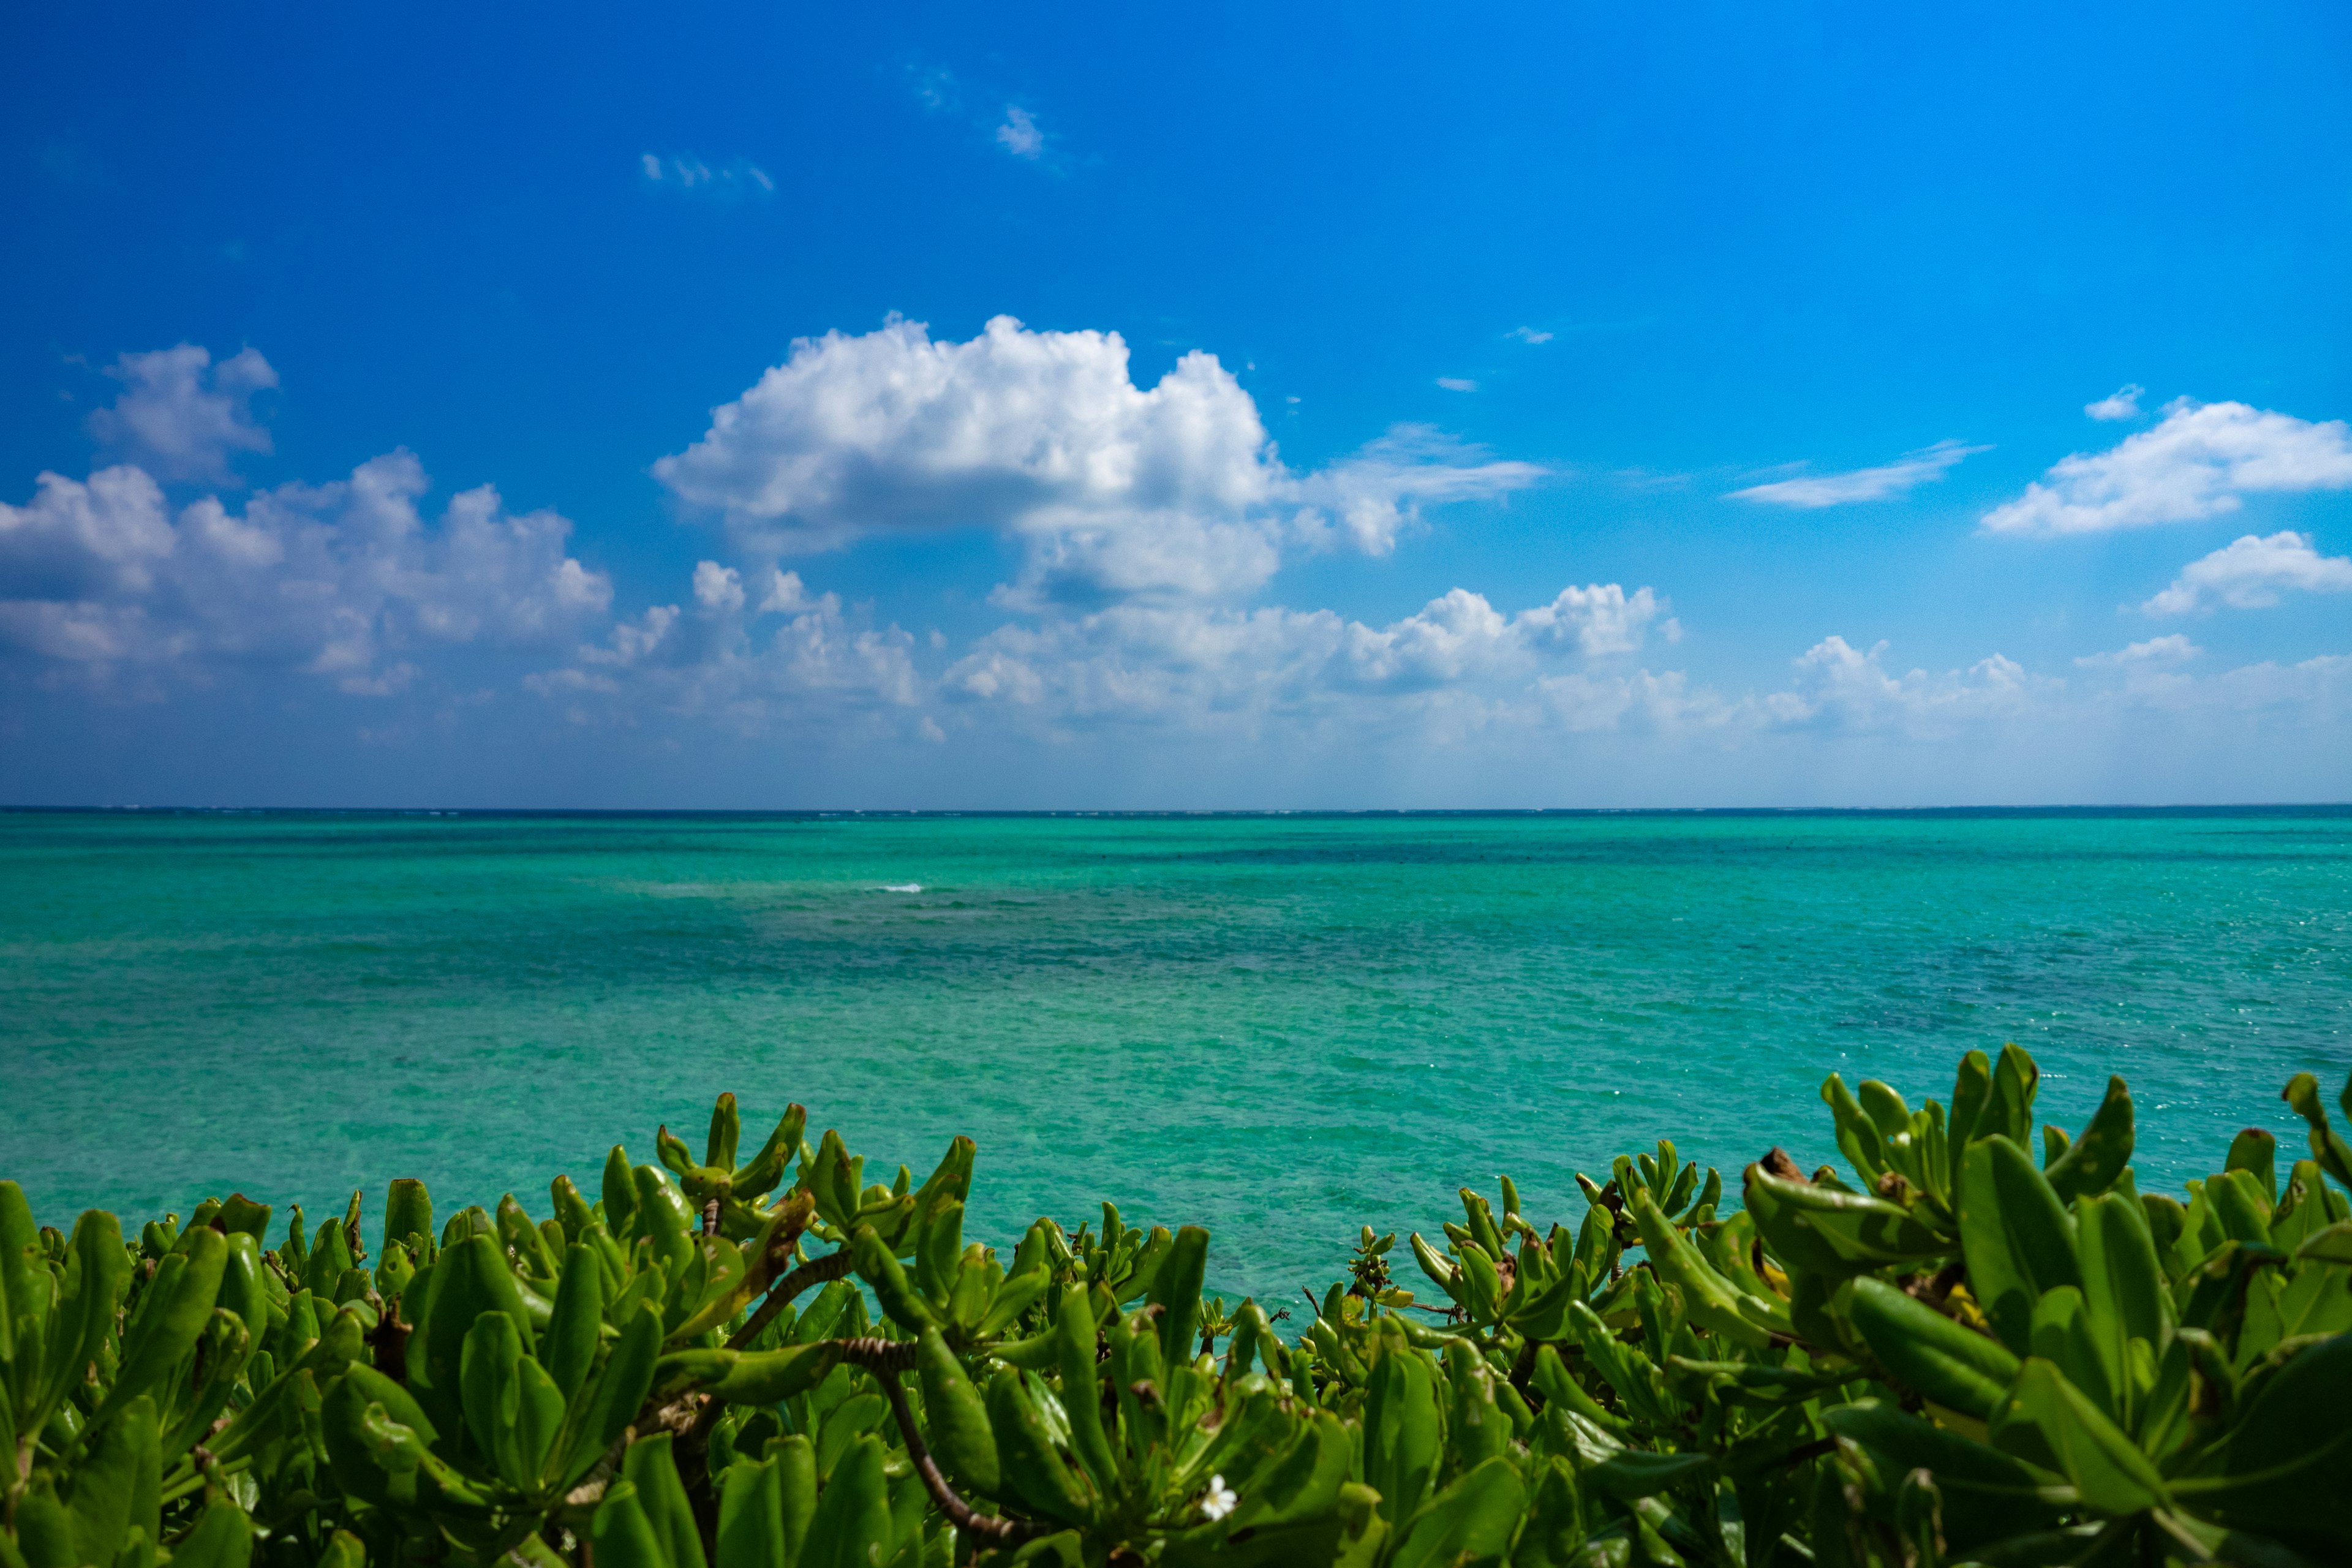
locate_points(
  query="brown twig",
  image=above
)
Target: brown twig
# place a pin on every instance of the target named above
(815, 1271)
(887, 1359)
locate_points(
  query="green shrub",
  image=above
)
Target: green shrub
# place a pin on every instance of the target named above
(1950, 1353)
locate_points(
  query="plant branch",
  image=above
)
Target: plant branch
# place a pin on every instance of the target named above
(815, 1271)
(886, 1359)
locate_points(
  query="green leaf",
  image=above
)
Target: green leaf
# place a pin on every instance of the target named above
(2047, 1420)
(750, 1517)
(649, 1466)
(2124, 1286)
(1711, 1300)
(2285, 1467)
(2241, 1206)
(1401, 1434)
(1987, 1495)
(604, 1405)
(1474, 1517)
(118, 1485)
(2327, 1145)
(1176, 1290)
(1074, 1334)
(956, 1418)
(1032, 1466)
(223, 1538)
(2094, 1160)
(625, 1536)
(750, 1377)
(568, 1349)
(2255, 1152)
(1632, 1473)
(852, 1528)
(514, 1409)
(2018, 1237)
(2064, 1337)
(172, 1312)
(1927, 1353)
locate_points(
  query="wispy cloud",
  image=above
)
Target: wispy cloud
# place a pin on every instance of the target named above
(1528, 335)
(687, 172)
(1888, 480)
(2155, 652)
(1458, 384)
(2197, 464)
(2121, 404)
(2251, 573)
(1019, 134)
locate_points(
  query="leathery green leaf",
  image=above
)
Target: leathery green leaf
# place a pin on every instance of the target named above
(750, 1517)
(852, 1527)
(625, 1536)
(1474, 1517)
(1927, 1353)
(2094, 1160)
(2047, 1419)
(649, 1466)
(2019, 1238)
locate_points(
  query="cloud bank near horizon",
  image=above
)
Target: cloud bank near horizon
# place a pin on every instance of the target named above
(1149, 528)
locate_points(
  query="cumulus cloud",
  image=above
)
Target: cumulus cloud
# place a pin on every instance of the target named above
(1840, 685)
(341, 581)
(1019, 134)
(1811, 491)
(1202, 666)
(1119, 490)
(2121, 404)
(2251, 572)
(179, 415)
(2199, 462)
(729, 664)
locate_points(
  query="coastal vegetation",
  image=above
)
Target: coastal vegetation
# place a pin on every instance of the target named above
(1979, 1341)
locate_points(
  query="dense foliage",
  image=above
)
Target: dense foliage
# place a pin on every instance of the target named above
(1950, 1353)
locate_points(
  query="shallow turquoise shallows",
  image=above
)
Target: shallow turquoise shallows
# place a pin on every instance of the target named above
(1277, 1026)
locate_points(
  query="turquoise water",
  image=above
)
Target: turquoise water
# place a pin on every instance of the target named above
(1277, 1026)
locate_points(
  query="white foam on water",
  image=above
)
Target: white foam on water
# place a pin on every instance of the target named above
(902, 886)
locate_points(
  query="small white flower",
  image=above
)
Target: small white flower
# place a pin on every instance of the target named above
(1220, 1501)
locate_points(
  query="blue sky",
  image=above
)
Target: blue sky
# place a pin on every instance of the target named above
(1201, 407)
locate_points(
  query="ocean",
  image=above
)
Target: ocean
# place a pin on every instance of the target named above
(1278, 1026)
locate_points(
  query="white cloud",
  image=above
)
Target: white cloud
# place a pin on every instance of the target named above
(1118, 491)
(1199, 666)
(688, 172)
(717, 587)
(1843, 687)
(1458, 384)
(2251, 572)
(2155, 652)
(340, 580)
(2121, 404)
(733, 668)
(2197, 463)
(1019, 134)
(1377, 494)
(1815, 490)
(1528, 335)
(179, 416)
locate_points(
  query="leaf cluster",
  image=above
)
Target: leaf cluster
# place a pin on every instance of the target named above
(1950, 1352)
